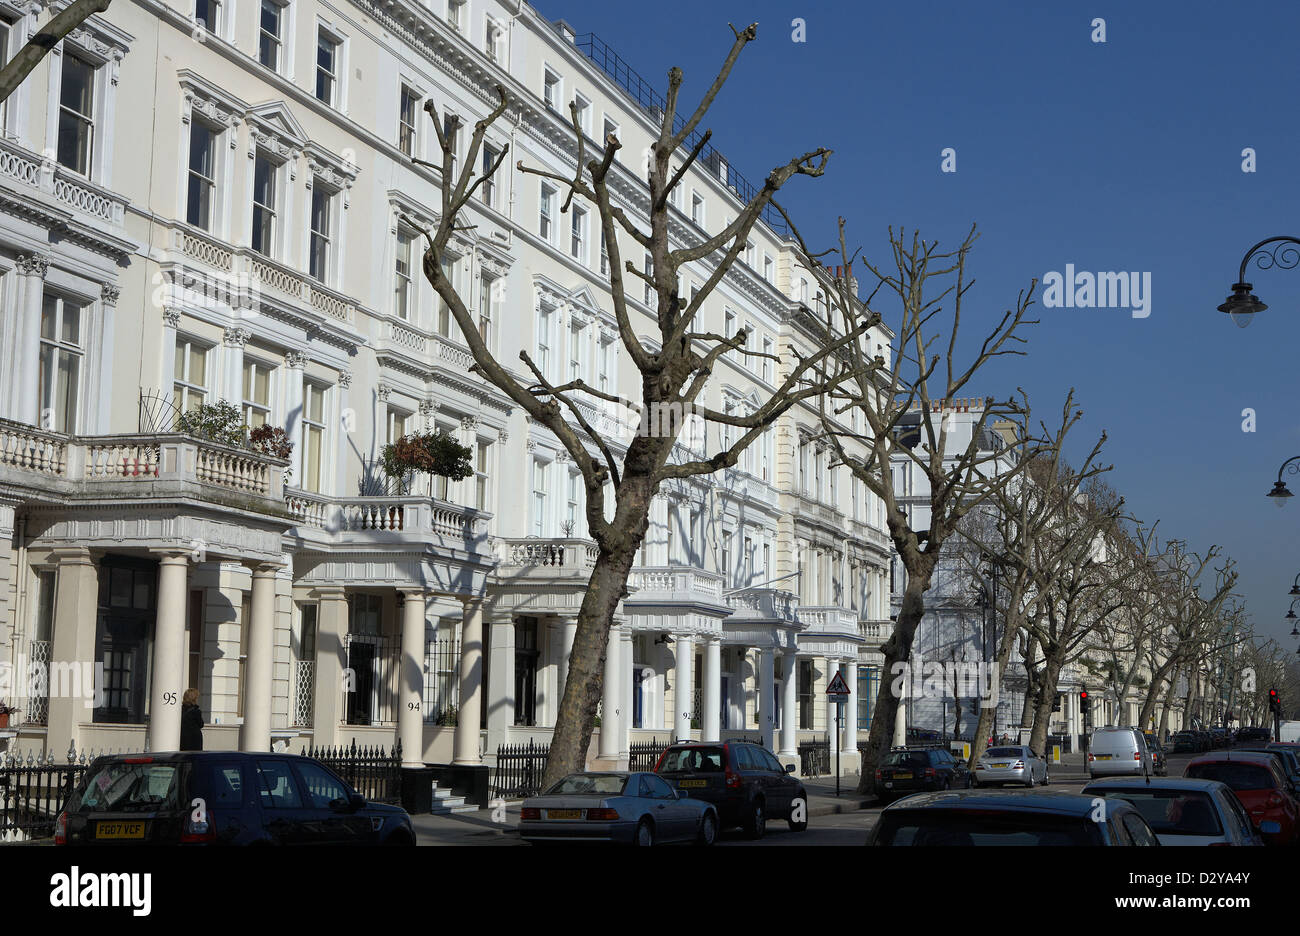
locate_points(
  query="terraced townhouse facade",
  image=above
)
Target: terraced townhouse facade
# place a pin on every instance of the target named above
(217, 202)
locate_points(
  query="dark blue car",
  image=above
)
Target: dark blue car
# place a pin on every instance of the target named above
(223, 798)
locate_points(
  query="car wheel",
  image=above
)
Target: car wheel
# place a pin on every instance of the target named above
(800, 802)
(645, 834)
(1031, 782)
(756, 824)
(1047, 777)
(708, 830)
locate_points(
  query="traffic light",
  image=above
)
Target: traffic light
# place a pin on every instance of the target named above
(1274, 702)
(1084, 705)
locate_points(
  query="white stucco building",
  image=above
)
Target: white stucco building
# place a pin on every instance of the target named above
(214, 202)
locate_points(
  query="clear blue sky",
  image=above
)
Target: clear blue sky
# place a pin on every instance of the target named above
(1122, 156)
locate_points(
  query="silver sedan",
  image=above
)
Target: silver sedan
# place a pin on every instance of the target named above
(617, 807)
(1014, 764)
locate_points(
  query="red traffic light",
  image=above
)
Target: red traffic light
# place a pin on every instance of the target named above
(1083, 695)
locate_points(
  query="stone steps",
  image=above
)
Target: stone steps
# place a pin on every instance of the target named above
(444, 804)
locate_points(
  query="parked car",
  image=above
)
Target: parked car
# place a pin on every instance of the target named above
(1159, 762)
(1207, 743)
(617, 807)
(248, 799)
(744, 781)
(1247, 736)
(1286, 759)
(1014, 764)
(1260, 783)
(910, 770)
(1114, 751)
(1012, 817)
(1185, 741)
(1182, 811)
(1219, 737)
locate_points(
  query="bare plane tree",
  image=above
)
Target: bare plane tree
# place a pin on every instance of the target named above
(960, 480)
(672, 378)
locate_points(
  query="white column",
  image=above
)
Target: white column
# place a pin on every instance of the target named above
(256, 732)
(711, 722)
(832, 732)
(626, 660)
(410, 717)
(851, 707)
(683, 688)
(766, 697)
(611, 693)
(468, 722)
(231, 386)
(25, 394)
(570, 631)
(168, 672)
(789, 706)
(900, 724)
(295, 362)
(331, 658)
(501, 683)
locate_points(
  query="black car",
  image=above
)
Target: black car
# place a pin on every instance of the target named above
(1185, 741)
(223, 798)
(744, 781)
(1251, 736)
(1159, 761)
(1009, 818)
(912, 770)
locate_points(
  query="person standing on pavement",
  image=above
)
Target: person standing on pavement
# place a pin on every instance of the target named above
(191, 721)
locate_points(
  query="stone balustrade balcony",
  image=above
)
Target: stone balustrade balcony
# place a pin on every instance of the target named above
(387, 519)
(134, 465)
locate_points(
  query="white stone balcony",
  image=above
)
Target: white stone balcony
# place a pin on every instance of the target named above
(831, 620)
(764, 604)
(134, 465)
(60, 187)
(541, 558)
(386, 519)
(205, 269)
(675, 583)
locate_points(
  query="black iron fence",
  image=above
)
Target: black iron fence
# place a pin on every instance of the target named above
(815, 757)
(374, 774)
(645, 755)
(519, 769)
(32, 792)
(441, 682)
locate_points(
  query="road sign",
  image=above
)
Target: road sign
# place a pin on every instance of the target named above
(838, 686)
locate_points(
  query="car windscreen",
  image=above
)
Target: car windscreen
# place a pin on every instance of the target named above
(1237, 776)
(917, 759)
(1003, 752)
(122, 787)
(949, 827)
(603, 784)
(698, 759)
(1173, 812)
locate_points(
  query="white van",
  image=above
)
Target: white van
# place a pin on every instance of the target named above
(1118, 752)
(1290, 732)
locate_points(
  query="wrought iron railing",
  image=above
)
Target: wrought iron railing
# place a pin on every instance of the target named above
(815, 757)
(441, 685)
(32, 792)
(644, 755)
(374, 774)
(519, 769)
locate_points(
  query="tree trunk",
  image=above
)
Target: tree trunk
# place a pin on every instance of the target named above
(1153, 690)
(989, 707)
(576, 716)
(1032, 684)
(1043, 711)
(1169, 701)
(897, 651)
(46, 38)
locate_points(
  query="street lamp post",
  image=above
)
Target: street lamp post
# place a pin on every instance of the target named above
(1242, 304)
(1280, 493)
